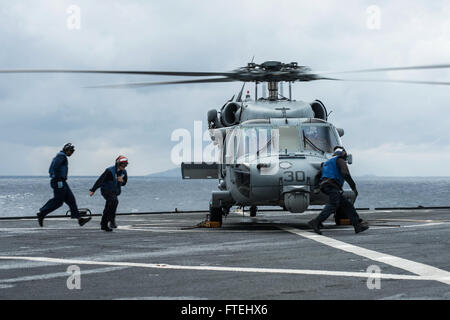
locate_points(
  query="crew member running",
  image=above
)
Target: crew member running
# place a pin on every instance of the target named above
(58, 171)
(111, 183)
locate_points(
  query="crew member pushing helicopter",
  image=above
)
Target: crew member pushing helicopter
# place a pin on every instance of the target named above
(111, 183)
(334, 173)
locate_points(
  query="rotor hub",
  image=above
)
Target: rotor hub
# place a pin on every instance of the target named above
(273, 71)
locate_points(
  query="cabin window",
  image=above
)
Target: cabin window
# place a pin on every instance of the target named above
(231, 147)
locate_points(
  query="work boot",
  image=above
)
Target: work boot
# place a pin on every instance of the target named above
(106, 228)
(40, 217)
(314, 224)
(83, 221)
(361, 227)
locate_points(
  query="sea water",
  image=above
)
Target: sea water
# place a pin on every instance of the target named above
(23, 196)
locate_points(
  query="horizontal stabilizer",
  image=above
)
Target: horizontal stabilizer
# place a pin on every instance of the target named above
(203, 170)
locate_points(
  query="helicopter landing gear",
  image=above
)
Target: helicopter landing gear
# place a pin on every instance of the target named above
(220, 205)
(253, 210)
(215, 214)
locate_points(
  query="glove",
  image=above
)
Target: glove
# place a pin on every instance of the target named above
(60, 184)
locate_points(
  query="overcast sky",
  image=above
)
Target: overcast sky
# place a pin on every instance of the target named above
(391, 129)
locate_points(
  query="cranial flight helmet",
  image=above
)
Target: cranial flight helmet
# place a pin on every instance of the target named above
(122, 160)
(68, 147)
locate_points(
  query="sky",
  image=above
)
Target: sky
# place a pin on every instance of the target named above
(390, 129)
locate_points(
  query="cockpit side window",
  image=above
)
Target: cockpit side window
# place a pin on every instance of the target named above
(254, 142)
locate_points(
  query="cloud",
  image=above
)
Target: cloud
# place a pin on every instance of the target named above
(42, 112)
(401, 160)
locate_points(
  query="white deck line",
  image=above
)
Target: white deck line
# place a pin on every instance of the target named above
(58, 275)
(417, 268)
(223, 269)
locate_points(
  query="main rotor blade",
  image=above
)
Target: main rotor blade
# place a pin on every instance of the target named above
(134, 72)
(435, 66)
(391, 81)
(146, 84)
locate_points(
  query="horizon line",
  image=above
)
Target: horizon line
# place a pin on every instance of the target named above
(154, 174)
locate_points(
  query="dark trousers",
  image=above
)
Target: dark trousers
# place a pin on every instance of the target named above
(60, 196)
(337, 201)
(109, 213)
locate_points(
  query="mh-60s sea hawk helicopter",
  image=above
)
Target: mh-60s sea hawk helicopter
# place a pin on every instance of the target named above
(271, 147)
(291, 139)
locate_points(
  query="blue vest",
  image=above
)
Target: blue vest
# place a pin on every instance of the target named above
(63, 170)
(330, 170)
(114, 184)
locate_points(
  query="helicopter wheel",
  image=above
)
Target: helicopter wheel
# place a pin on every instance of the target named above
(253, 210)
(215, 214)
(337, 220)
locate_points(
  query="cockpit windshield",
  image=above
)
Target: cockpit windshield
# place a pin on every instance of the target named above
(269, 141)
(318, 138)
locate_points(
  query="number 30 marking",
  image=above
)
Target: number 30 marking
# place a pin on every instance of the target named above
(289, 176)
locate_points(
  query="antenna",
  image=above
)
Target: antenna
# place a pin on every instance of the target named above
(239, 97)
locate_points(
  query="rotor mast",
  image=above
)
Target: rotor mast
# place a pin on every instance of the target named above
(273, 90)
(274, 73)
(273, 87)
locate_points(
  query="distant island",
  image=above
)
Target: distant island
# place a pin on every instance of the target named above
(171, 173)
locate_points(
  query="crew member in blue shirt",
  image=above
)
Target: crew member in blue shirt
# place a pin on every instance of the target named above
(111, 183)
(58, 172)
(334, 173)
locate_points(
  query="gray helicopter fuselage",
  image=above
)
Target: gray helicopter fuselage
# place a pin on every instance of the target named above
(285, 177)
(233, 113)
(275, 109)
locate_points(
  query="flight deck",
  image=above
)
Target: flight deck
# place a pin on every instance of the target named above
(273, 256)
